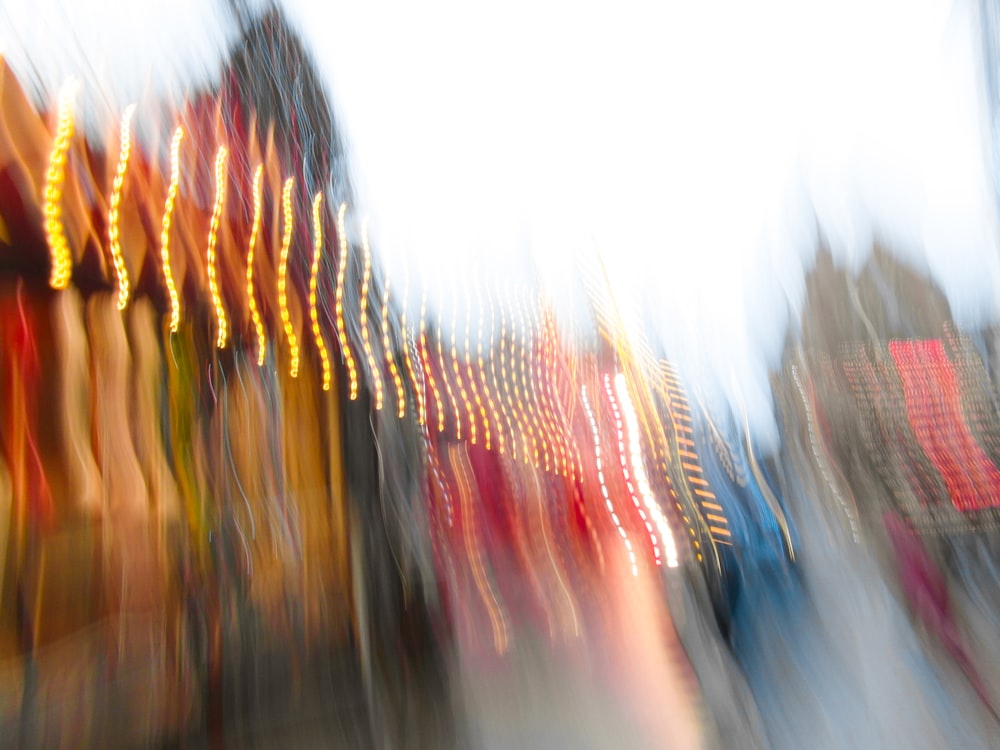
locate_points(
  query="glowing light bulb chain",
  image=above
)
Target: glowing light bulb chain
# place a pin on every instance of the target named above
(666, 391)
(258, 323)
(509, 379)
(540, 387)
(165, 235)
(407, 355)
(560, 425)
(639, 472)
(317, 216)
(506, 399)
(390, 359)
(540, 390)
(456, 368)
(623, 459)
(469, 371)
(345, 344)
(222, 321)
(498, 427)
(552, 349)
(286, 241)
(563, 395)
(366, 276)
(444, 375)
(55, 232)
(114, 210)
(600, 480)
(425, 364)
(526, 411)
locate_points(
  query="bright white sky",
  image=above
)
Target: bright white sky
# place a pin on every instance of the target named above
(692, 143)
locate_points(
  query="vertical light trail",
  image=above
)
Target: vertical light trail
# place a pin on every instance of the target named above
(435, 471)
(571, 455)
(407, 355)
(288, 217)
(680, 420)
(258, 323)
(477, 401)
(390, 359)
(542, 385)
(821, 452)
(55, 176)
(426, 365)
(168, 213)
(456, 368)
(544, 524)
(531, 415)
(222, 335)
(481, 370)
(506, 400)
(623, 459)
(444, 375)
(114, 209)
(366, 277)
(639, 471)
(317, 217)
(345, 344)
(464, 479)
(520, 414)
(600, 479)
(428, 370)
